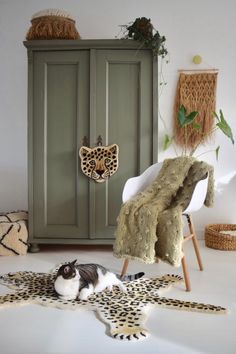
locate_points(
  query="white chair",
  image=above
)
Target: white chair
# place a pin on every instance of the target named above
(135, 185)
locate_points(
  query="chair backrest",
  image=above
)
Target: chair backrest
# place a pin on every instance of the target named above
(135, 185)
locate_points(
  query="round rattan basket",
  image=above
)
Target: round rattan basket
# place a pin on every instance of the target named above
(216, 238)
(52, 24)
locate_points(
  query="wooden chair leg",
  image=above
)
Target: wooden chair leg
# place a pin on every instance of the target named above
(196, 248)
(125, 267)
(186, 274)
(195, 242)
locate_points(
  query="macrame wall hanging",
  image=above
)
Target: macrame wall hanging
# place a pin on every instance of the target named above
(196, 92)
(99, 162)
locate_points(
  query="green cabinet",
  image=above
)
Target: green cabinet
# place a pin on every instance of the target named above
(85, 88)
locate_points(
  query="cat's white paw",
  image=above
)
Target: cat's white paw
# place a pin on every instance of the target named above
(122, 288)
(69, 297)
(86, 292)
(83, 296)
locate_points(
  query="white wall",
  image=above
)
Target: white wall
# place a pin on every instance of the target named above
(204, 27)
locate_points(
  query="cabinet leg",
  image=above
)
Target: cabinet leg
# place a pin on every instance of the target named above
(34, 248)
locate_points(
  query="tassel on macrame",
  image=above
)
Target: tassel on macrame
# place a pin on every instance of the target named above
(196, 92)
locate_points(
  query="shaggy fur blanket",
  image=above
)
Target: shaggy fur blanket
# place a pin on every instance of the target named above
(150, 224)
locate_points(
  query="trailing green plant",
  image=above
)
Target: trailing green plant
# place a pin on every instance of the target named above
(186, 120)
(143, 31)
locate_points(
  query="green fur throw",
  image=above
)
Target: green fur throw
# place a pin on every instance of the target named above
(150, 225)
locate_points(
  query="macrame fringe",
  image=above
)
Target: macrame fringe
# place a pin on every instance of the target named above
(197, 92)
(52, 27)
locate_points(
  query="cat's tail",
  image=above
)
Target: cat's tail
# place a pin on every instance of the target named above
(130, 277)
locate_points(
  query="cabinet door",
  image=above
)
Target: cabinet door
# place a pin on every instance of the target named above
(124, 115)
(60, 120)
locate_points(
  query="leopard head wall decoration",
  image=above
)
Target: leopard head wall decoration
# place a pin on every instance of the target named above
(100, 162)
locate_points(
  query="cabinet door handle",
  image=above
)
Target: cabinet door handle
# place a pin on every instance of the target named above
(99, 140)
(85, 141)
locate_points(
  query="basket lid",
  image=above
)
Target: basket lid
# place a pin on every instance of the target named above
(53, 12)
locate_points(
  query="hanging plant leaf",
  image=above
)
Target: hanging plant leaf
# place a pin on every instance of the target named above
(216, 115)
(217, 152)
(224, 126)
(143, 31)
(186, 119)
(182, 115)
(191, 117)
(196, 126)
(167, 142)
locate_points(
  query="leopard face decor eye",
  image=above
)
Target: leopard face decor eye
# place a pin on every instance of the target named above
(107, 161)
(92, 163)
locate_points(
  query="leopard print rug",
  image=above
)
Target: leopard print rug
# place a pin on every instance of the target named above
(124, 313)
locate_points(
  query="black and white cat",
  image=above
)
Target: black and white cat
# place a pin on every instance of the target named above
(81, 280)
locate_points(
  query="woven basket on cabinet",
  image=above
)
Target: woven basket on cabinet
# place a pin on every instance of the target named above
(52, 24)
(215, 237)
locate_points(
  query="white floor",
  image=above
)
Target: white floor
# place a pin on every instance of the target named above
(35, 329)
